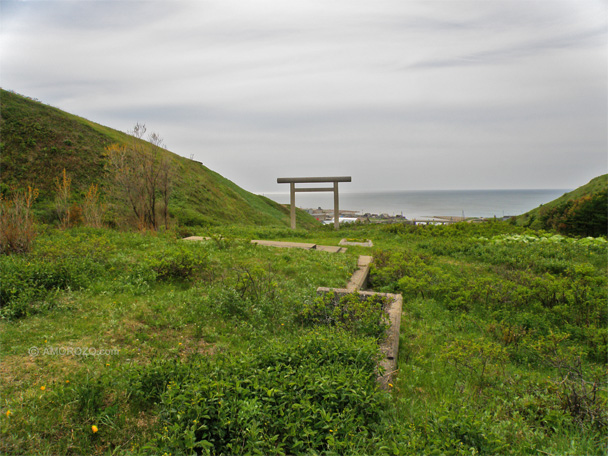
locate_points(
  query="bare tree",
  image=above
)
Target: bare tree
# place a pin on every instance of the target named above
(162, 180)
(142, 175)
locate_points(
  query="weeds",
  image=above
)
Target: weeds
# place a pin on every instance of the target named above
(365, 316)
(17, 228)
(92, 211)
(311, 394)
(62, 199)
(224, 346)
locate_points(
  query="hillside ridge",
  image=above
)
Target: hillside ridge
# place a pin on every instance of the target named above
(39, 141)
(582, 211)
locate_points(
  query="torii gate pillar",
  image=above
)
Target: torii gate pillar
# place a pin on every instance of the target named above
(292, 181)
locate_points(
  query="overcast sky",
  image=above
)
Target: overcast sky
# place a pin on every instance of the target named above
(398, 94)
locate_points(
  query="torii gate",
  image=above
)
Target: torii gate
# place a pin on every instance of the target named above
(292, 181)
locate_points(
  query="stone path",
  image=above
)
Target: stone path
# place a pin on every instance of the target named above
(301, 245)
(367, 243)
(294, 245)
(197, 238)
(358, 281)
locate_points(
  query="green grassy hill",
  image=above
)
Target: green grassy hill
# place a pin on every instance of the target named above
(39, 141)
(585, 205)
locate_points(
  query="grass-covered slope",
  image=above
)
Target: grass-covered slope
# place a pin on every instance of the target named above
(596, 185)
(579, 212)
(129, 343)
(39, 141)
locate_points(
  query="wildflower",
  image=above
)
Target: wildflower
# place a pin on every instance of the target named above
(42, 388)
(390, 384)
(67, 381)
(8, 413)
(94, 429)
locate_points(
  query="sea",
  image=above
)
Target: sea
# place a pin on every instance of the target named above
(420, 204)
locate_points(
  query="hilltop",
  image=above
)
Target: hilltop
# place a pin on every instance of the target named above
(39, 141)
(579, 212)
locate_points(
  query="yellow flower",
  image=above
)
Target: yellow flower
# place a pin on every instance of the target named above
(42, 388)
(94, 429)
(8, 413)
(390, 384)
(67, 381)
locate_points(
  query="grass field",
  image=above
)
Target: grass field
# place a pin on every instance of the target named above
(128, 343)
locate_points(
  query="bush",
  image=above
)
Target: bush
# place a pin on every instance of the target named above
(314, 393)
(585, 216)
(178, 263)
(362, 315)
(17, 230)
(23, 280)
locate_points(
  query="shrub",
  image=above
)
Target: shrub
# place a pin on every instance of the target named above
(17, 229)
(92, 212)
(23, 281)
(585, 216)
(362, 315)
(147, 383)
(314, 393)
(62, 199)
(477, 359)
(178, 263)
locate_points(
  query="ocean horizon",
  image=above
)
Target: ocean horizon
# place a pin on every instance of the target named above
(429, 203)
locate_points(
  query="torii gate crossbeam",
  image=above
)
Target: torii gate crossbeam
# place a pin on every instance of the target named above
(292, 181)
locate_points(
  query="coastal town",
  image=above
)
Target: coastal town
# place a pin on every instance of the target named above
(348, 216)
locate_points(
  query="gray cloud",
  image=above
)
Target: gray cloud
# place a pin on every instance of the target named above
(399, 94)
(594, 37)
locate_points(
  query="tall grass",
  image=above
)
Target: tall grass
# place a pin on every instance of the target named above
(17, 227)
(222, 346)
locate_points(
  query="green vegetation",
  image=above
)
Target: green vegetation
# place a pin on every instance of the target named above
(366, 317)
(129, 343)
(581, 212)
(149, 344)
(38, 142)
